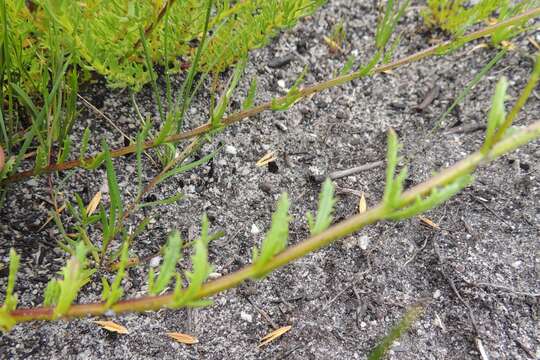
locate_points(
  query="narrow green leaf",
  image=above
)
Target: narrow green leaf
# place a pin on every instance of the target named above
(276, 238)
(496, 114)
(10, 302)
(84, 143)
(112, 181)
(201, 268)
(325, 209)
(391, 164)
(187, 167)
(75, 276)
(348, 65)
(167, 270)
(435, 198)
(396, 332)
(115, 292)
(52, 293)
(250, 98)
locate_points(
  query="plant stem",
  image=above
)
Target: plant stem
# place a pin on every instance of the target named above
(523, 97)
(303, 93)
(292, 253)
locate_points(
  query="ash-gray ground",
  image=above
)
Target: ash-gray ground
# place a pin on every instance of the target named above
(343, 299)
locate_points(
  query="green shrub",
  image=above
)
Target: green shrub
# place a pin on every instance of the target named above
(103, 36)
(454, 17)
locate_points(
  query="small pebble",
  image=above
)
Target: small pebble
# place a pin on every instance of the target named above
(281, 83)
(281, 126)
(437, 294)
(301, 46)
(154, 262)
(266, 187)
(340, 114)
(517, 264)
(229, 149)
(246, 317)
(281, 61)
(255, 230)
(364, 242)
(363, 324)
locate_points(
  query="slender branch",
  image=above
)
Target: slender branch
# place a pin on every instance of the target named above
(297, 251)
(303, 93)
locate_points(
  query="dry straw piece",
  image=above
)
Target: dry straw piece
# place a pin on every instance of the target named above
(183, 338)
(274, 335)
(112, 326)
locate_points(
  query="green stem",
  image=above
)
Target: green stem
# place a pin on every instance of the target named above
(531, 84)
(303, 93)
(297, 251)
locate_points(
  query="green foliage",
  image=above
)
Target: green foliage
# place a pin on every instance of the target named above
(293, 95)
(49, 47)
(325, 210)
(507, 10)
(276, 238)
(496, 114)
(394, 185)
(114, 292)
(111, 220)
(396, 332)
(75, 276)
(10, 301)
(201, 268)
(396, 209)
(172, 254)
(454, 17)
(192, 165)
(348, 66)
(105, 36)
(434, 199)
(219, 111)
(250, 98)
(386, 26)
(471, 84)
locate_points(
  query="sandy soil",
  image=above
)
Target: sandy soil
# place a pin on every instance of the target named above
(341, 300)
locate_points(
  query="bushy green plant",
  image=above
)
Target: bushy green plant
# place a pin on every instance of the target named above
(455, 16)
(104, 36)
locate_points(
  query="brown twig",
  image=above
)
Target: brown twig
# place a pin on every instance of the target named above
(303, 93)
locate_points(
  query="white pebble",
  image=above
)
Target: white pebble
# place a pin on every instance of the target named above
(281, 83)
(154, 262)
(364, 242)
(246, 317)
(255, 230)
(229, 149)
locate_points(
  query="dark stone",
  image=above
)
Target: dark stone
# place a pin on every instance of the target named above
(281, 61)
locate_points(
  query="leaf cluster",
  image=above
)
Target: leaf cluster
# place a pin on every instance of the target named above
(455, 16)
